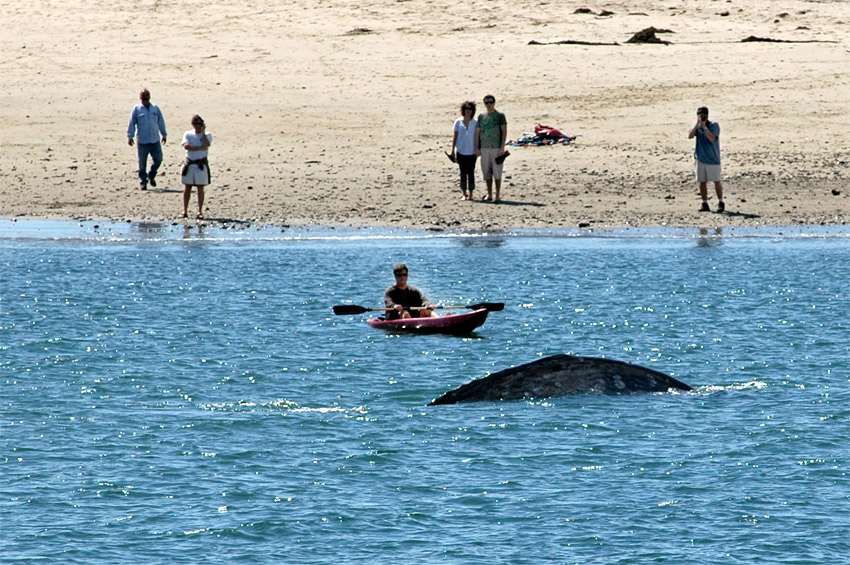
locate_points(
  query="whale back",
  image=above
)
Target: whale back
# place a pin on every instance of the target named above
(562, 374)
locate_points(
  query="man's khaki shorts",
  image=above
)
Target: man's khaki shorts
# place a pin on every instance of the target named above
(708, 173)
(489, 168)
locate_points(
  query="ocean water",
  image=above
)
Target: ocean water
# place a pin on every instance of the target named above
(182, 395)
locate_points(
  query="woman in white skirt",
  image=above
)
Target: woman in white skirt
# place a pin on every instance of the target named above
(196, 167)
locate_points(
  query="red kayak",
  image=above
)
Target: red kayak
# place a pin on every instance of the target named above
(456, 324)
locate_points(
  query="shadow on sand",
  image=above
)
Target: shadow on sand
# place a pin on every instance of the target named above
(504, 202)
(740, 215)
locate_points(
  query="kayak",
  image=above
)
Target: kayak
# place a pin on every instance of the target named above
(456, 324)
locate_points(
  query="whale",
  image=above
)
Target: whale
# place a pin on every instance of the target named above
(559, 375)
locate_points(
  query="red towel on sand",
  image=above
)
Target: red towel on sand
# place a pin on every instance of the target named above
(548, 131)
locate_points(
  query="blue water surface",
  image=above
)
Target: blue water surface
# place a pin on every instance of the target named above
(180, 394)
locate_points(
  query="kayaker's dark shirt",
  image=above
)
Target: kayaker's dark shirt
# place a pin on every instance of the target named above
(408, 297)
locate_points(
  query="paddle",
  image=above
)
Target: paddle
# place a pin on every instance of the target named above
(491, 306)
(348, 309)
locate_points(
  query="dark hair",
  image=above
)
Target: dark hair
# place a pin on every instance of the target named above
(489, 96)
(400, 268)
(702, 110)
(197, 118)
(468, 104)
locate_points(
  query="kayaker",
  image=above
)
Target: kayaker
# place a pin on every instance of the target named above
(401, 297)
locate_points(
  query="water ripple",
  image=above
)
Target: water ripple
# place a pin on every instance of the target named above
(198, 400)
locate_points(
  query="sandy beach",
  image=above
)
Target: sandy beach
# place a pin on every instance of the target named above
(338, 113)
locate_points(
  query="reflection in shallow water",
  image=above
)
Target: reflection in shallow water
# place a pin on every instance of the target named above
(484, 242)
(707, 239)
(188, 231)
(147, 227)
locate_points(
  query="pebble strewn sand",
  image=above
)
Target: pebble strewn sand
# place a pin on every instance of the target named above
(338, 113)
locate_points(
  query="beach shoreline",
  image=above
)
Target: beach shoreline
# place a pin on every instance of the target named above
(27, 229)
(329, 114)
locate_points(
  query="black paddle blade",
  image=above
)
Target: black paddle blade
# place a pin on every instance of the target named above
(491, 306)
(348, 309)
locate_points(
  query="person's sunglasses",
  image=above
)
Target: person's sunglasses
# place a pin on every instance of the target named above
(401, 274)
(488, 102)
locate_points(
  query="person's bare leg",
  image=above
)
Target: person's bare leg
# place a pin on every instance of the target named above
(187, 193)
(200, 201)
(489, 183)
(703, 192)
(498, 188)
(721, 205)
